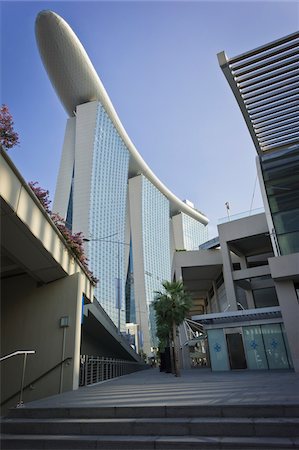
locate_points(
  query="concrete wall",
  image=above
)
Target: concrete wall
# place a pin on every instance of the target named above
(230, 231)
(64, 179)
(85, 132)
(94, 347)
(30, 319)
(177, 223)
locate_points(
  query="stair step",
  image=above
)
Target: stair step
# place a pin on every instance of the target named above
(161, 411)
(203, 426)
(145, 442)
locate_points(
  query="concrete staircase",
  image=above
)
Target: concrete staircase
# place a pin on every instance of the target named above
(202, 427)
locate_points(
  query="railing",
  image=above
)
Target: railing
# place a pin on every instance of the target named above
(29, 385)
(230, 218)
(25, 353)
(96, 369)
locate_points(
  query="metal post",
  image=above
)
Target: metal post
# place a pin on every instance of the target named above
(62, 359)
(98, 369)
(21, 403)
(86, 369)
(102, 369)
(227, 210)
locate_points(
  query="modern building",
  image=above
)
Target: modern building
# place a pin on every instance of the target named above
(246, 282)
(47, 302)
(235, 298)
(265, 83)
(107, 191)
(187, 233)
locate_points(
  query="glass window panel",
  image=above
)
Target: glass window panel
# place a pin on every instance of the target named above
(265, 298)
(274, 346)
(284, 202)
(218, 350)
(156, 244)
(289, 243)
(194, 232)
(282, 185)
(108, 211)
(286, 221)
(254, 347)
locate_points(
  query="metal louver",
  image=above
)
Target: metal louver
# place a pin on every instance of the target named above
(265, 82)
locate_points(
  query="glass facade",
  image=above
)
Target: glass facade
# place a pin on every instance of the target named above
(265, 346)
(195, 233)
(218, 350)
(156, 245)
(106, 183)
(265, 298)
(281, 177)
(254, 348)
(274, 346)
(107, 215)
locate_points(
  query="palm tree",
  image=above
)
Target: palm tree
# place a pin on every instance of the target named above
(171, 307)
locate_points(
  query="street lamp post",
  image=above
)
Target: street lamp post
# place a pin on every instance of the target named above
(104, 239)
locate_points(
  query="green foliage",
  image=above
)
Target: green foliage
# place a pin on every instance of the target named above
(171, 306)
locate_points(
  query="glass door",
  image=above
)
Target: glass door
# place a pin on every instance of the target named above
(236, 352)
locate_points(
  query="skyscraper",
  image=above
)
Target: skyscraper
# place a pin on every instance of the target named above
(107, 191)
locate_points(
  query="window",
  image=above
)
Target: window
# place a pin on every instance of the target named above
(265, 298)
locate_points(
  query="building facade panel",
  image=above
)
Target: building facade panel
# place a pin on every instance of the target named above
(107, 214)
(156, 245)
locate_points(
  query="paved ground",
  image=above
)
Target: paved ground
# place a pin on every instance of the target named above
(194, 387)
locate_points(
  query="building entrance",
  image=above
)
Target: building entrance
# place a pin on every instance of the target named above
(236, 352)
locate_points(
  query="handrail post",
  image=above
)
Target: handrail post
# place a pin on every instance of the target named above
(86, 369)
(21, 403)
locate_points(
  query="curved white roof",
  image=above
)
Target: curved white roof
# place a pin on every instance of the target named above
(76, 82)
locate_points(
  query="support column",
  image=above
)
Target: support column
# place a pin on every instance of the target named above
(185, 352)
(248, 293)
(228, 276)
(216, 295)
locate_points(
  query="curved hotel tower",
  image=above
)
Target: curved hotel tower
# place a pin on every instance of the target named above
(106, 190)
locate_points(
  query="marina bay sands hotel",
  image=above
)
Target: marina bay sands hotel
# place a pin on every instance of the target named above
(132, 222)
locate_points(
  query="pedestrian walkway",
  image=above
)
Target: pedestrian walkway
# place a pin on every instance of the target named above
(194, 387)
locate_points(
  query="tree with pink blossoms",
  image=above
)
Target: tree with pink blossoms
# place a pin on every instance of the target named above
(74, 241)
(42, 195)
(8, 137)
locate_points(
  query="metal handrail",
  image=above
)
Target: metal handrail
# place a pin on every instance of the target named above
(37, 379)
(25, 353)
(95, 369)
(19, 352)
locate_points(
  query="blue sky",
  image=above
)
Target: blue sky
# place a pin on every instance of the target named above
(158, 63)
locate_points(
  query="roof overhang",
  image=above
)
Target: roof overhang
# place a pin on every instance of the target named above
(237, 317)
(98, 324)
(265, 83)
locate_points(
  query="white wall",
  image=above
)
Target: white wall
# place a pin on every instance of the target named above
(64, 179)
